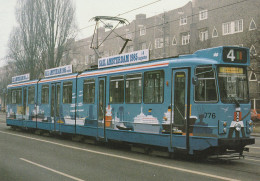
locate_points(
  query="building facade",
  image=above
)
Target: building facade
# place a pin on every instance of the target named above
(197, 25)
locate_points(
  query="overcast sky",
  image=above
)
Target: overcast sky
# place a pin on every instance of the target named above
(85, 10)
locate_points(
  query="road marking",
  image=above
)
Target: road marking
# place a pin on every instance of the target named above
(55, 171)
(126, 158)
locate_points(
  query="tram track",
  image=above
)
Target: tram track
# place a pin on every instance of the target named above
(242, 165)
(252, 156)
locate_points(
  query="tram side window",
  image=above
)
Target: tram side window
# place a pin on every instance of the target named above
(31, 95)
(153, 86)
(67, 92)
(16, 96)
(133, 88)
(9, 96)
(206, 90)
(45, 94)
(116, 90)
(89, 91)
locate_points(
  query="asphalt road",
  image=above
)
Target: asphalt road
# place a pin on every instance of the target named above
(27, 156)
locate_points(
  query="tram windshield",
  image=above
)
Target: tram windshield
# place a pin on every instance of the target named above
(233, 85)
(205, 90)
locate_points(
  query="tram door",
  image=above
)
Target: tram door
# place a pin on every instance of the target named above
(179, 101)
(24, 101)
(101, 107)
(55, 105)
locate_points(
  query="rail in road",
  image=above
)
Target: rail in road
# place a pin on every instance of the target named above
(105, 157)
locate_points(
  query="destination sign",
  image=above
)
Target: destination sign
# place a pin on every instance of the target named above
(234, 55)
(123, 59)
(67, 69)
(21, 78)
(231, 70)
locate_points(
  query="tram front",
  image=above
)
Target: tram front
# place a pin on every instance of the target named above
(236, 124)
(220, 116)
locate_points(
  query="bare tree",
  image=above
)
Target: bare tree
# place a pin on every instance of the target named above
(24, 42)
(57, 25)
(40, 39)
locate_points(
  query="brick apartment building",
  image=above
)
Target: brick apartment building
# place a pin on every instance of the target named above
(197, 25)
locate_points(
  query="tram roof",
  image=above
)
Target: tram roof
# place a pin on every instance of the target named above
(201, 57)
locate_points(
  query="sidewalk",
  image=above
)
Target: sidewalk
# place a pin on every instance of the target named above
(255, 134)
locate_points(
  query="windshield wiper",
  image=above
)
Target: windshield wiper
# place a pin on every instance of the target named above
(235, 101)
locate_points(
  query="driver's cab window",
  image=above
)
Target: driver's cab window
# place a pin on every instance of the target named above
(205, 89)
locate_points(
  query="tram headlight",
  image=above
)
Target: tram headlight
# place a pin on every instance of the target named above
(249, 125)
(238, 127)
(225, 129)
(222, 127)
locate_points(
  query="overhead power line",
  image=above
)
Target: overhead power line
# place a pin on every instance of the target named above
(228, 5)
(153, 26)
(125, 13)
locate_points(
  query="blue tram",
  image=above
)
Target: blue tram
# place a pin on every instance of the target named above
(191, 103)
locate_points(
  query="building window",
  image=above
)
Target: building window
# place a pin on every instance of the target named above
(45, 94)
(153, 87)
(89, 91)
(116, 90)
(232, 27)
(252, 76)
(174, 41)
(142, 46)
(214, 33)
(67, 92)
(142, 30)
(185, 38)
(128, 34)
(226, 28)
(252, 25)
(253, 50)
(203, 15)
(158, 43)
(31, 95)
(239, 26)
(133, 88)
(183, 20)
(204, 35)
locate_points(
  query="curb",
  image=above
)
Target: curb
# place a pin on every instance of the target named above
(255, 134)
